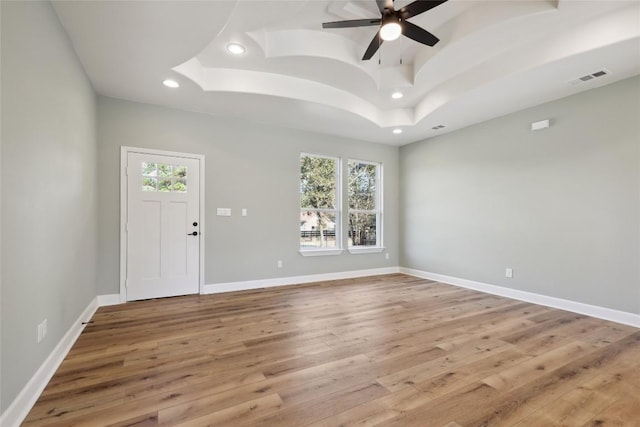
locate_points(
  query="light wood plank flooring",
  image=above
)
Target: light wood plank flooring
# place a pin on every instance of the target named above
(388, 350)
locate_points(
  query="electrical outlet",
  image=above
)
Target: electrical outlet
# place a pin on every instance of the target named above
(279, 263)
(386, 256)
(508, 272)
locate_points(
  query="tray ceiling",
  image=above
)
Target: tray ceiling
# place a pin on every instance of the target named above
(493, 58)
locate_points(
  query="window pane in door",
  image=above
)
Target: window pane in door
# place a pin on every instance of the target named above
(164, 170)
(180, 186)
(165, 185)
(180, 171)
(149, 169)
(149, 184)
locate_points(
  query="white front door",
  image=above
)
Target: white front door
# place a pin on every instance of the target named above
(162, 226)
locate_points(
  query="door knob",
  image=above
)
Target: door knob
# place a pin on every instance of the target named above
(195, 233)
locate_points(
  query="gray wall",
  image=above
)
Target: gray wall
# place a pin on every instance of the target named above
(247, 166)
(560, 206)
(48, 189)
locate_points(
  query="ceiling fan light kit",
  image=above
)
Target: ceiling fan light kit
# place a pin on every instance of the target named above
(392, 24)
(390, 29)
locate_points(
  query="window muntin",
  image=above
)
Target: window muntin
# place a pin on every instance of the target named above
(319, 202)
(164, 178)
(365, 214)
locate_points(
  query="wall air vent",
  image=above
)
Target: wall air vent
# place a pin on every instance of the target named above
(438, 127)
(589, 77)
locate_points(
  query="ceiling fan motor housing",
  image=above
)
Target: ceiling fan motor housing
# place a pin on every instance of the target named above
(391, 27)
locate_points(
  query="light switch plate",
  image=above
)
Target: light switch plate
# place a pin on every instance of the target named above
(223, 212)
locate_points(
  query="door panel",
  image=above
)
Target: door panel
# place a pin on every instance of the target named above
(176, 261)
(163, 202)
(149, 248)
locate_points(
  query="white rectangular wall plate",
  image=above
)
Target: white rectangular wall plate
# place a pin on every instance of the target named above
(223, 212)
(542, 124)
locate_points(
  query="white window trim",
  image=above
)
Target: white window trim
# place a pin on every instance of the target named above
(320, 252)
(365, 249)
(379, 247)
(338, 249)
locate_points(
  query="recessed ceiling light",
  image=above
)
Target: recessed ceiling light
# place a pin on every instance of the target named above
(397, 95)
(235, 48)
(171, 83)
(397, 131)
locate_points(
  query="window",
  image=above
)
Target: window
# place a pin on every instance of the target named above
(365, 215)
(319, 204)
(164, 178)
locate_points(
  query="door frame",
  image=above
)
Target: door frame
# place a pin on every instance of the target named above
(124, 155)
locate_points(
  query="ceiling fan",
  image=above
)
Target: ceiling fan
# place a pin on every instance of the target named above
(393, 23)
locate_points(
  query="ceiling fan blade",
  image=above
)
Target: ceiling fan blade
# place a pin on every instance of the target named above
(418, 7)
(373, 47)
(418, 34)
(384, 4)
(352, 23)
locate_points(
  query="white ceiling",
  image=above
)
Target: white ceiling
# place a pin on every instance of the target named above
(493, 58)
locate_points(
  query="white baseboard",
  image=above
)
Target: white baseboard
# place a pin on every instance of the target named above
(294, 280)
(109, 299)
(563, 304)
(22, 404)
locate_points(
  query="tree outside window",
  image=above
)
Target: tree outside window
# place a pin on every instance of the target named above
(319, 202)
(364, 203)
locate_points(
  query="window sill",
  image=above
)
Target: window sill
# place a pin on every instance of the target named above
(320, 252)
(366, 250)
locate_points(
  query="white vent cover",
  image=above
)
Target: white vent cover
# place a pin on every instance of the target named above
(589, 77)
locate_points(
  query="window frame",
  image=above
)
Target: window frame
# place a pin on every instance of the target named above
(378, 211)
(337, 210)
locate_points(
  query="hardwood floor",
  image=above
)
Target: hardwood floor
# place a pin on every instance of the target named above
(387, 351)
